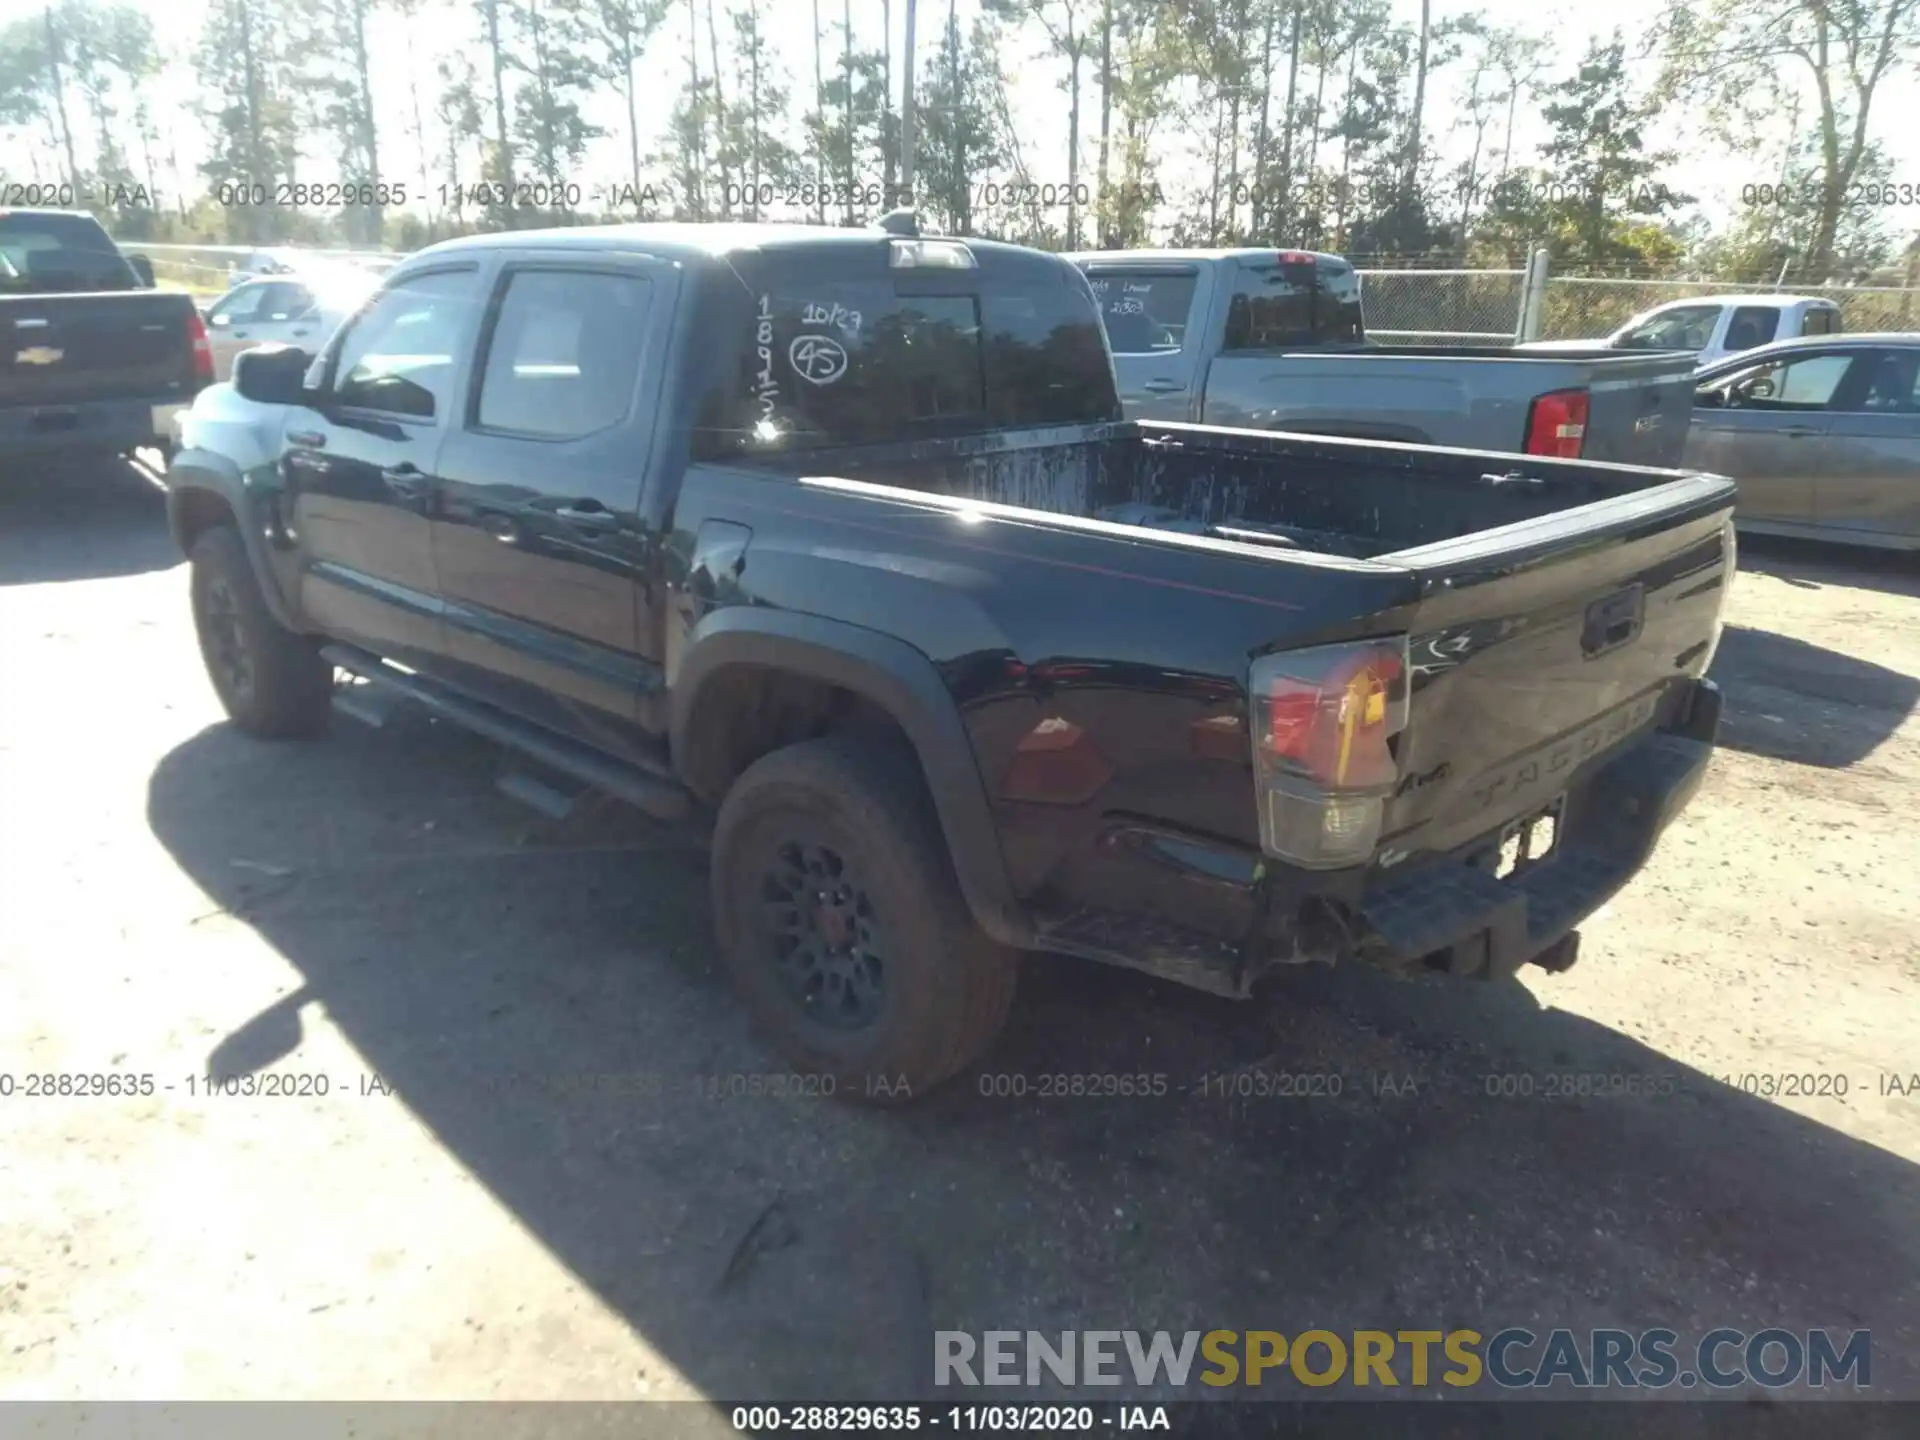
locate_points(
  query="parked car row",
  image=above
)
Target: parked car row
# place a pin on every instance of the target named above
(843, 537)
(1712, 329)
(1276, 340)
(1821, 430)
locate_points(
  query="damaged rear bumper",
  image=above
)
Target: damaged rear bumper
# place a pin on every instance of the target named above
(1452, 914)
(1193, 910)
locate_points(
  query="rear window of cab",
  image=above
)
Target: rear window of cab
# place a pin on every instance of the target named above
(864, 358)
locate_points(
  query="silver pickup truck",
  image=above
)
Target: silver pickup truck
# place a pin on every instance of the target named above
(1275, 340)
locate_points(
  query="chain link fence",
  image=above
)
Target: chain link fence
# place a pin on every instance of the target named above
(1578, 307)
(1459, 307)
(1468, 307)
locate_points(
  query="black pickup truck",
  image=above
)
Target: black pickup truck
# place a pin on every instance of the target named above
(93, 360)
(838, 539)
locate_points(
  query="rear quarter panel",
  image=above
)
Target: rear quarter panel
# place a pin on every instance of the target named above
(1098, 669)
(1639, 404)
(1421, 401)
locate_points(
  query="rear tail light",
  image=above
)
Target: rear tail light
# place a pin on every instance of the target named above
(202, 348)
(1322, 720)
(1557, 424)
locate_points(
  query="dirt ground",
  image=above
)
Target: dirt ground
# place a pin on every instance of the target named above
(464, 1214)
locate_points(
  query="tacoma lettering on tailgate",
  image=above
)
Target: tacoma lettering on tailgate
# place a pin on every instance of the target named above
(1548, 767)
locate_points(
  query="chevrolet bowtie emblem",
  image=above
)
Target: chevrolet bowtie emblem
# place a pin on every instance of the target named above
(39, 355)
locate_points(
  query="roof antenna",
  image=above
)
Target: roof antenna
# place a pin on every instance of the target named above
(900, 222)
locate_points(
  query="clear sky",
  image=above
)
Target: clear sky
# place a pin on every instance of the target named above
(1039, 101)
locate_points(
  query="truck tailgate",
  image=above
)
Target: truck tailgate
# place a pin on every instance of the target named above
(1542, 646)
(1639, 407)
(69, 349)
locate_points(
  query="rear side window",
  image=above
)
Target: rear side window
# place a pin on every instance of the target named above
(1752, 325)
(1685, 327)
(564, 359)
(1892, 382)
(1823, 322)
(854, 361)
(1143, 311)
(1293, 303)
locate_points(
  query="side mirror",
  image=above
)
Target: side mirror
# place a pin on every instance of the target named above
(1758, 388)
(143, 268)
(272, 374)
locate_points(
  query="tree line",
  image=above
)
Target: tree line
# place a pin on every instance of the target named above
(1308, 123)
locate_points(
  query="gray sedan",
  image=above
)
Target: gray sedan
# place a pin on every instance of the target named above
(1822, 434)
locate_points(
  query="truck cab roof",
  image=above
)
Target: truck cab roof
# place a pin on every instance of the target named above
(1249, 254)
(695, 240)
(1765, 301)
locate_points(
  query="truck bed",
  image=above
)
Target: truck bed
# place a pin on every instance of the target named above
(1306, 494)
(1555, 612)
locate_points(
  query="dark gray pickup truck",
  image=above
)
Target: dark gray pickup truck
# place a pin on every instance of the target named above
(1276, 340)
(840, 537)
(93, 360)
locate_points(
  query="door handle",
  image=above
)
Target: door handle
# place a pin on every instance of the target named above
(1162, 386)
(307, 439)
(1801, 432)
(595, 519)
(299, 333)
(406, 480)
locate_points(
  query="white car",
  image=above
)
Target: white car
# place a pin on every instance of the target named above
(298, 310)
(1714, 327)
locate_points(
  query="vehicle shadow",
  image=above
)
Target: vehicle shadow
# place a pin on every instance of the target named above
(1790, 699)
(1813, 564)
(544, 999)
(81, 522)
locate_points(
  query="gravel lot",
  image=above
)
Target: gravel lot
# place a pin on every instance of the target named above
(461, 1217)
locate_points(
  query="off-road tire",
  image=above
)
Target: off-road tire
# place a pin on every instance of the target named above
(946, 987)
(281, 689)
